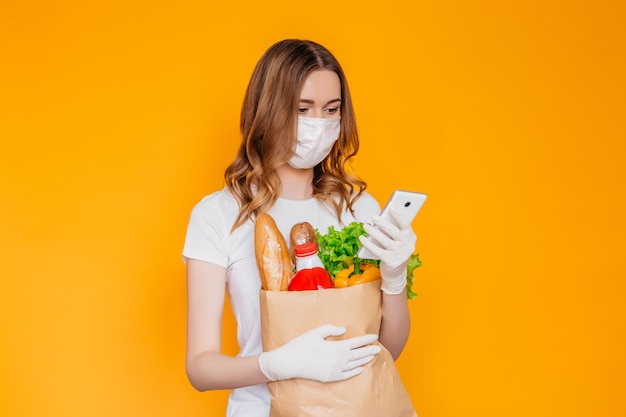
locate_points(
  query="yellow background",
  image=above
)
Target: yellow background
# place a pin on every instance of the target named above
(117, 117)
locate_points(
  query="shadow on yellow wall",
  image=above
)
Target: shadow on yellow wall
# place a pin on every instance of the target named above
(116, 118)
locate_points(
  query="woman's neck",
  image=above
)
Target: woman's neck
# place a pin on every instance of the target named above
(296, 184)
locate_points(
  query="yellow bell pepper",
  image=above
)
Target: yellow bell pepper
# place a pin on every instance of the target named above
(370, 273)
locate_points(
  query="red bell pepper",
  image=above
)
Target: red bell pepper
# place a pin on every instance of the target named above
(311, 279)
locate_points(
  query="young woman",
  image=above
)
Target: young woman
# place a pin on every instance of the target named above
(298, 132)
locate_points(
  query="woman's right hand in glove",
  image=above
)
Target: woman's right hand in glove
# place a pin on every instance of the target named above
(311, 356)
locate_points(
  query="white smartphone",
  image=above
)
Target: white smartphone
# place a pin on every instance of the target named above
(408, 203)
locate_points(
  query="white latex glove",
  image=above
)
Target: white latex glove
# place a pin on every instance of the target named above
(393, 241)
(311, 356)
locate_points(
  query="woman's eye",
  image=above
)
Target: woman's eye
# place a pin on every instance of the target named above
(302, 110)
(332, 110)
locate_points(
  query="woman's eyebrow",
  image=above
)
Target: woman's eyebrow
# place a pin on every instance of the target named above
(308, 101)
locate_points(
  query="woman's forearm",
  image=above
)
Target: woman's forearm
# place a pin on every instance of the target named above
(396, 323)
(213, 371)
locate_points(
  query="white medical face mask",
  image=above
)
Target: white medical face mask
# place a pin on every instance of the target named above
(316, 137)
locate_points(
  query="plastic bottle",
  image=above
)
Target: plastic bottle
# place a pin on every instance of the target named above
(307, 256)
(311, 274)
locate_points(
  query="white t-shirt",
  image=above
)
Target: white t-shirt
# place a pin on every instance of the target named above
(209, 239)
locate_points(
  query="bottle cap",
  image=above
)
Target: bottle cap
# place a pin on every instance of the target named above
(306, 249)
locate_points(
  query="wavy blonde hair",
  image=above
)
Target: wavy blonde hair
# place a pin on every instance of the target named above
(268, 132)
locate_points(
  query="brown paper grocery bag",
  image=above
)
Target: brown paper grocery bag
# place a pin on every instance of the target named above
(376, 392)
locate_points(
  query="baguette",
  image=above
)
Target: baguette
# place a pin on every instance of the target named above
(300, 233)
(272, 254)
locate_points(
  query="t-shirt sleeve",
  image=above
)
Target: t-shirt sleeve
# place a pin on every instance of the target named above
(207, 232)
